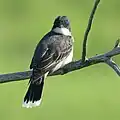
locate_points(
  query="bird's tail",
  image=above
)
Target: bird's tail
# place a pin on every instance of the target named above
(34, 93)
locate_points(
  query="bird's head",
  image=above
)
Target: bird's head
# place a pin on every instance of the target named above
(62, 25)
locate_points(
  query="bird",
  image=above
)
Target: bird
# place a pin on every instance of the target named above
(53, 51)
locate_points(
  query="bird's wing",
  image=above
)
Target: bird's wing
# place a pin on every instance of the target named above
(49, 53)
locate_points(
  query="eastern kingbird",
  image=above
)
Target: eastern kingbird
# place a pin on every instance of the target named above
(53, 51)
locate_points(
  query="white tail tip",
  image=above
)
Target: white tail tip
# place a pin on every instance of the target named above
(31, 104)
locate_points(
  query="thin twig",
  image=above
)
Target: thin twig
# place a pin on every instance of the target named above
(113, 65)
(117, 43)
(88, 30)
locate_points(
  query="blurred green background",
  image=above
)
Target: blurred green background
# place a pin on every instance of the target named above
(92, 93)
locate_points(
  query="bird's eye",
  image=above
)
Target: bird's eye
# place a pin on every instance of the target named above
(67, 22)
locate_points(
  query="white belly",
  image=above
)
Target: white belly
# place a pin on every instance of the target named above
(64, 62)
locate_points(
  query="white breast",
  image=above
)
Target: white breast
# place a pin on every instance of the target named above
(64, 62)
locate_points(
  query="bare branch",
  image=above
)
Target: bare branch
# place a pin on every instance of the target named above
(76, 65)
(17, 76)
(88, 29)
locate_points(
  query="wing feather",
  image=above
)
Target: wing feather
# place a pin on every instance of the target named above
(51, 51)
